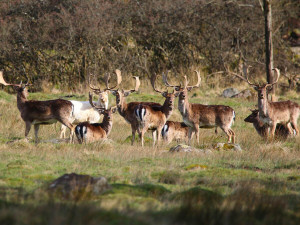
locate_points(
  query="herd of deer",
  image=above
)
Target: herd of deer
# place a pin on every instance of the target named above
(271, 118)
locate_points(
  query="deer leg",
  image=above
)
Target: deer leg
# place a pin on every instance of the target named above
(133, 130)
(27, 129)
(158, 134)
(154, 137)
(197, 129)
(70, 126)
(232, 136)
(294, 124)
(272, 131)
(36, 130)
(228, 133)
(63, 131)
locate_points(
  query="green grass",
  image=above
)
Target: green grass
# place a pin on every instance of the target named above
(260, 185)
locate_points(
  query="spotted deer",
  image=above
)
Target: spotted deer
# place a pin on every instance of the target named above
(38, 113)
(175, 130)
(281, 132)
(90, 132)
(204, 116)
(273, 113)
(83, 111)
(153, 117)
(126, 110)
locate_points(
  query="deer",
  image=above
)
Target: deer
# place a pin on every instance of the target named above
(273, 113)
(126, 110)
(153, 117)
(34, 112)
(203, 116)
(87, 132)
(281, 132)
(175, 130)
(83, 111)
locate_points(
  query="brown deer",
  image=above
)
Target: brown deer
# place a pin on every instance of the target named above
(204, 116)
(272, 113)
(153, 117)
(41, 112)
(281, 132)
(175, 130)
(90, 132)
(126, 110)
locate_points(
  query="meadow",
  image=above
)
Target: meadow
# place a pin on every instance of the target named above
(259, 185)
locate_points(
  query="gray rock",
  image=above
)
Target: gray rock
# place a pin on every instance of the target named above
(77, 187)
(229, 92)
(243, 94)
(227, 147)
(186, 148)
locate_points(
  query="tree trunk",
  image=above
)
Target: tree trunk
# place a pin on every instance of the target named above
(269, 44)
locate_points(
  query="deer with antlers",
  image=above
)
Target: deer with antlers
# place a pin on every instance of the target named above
(90, 132)
(203, 116)
(41, 112)
(126, 110)
(272, 113)
(282, 132)
(83, 111)
(153, 117)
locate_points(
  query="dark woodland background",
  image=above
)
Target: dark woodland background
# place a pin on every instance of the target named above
(61, 42)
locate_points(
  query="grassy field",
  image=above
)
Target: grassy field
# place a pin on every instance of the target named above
(260, 185)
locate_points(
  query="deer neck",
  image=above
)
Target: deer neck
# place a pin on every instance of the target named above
(122, 107)
(167, 109)
(264, 108)
(21, 100)
(106, 125)
(183, 106)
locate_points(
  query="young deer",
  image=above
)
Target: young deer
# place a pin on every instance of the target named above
(126, 110)
(272, 113)
(41, 112)
(281, 132)
(204, 116)
(83, 111)
(152, 117)
(175, 130)
(90, 132)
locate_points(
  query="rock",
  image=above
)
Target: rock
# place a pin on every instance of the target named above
(186, 148)
(76, 187)
(229, 92)
(227, 146)
(243, 94)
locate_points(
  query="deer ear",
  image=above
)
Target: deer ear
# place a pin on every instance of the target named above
(126, 93)
(114, 92)
(164, 94)
(255, 88)
(114, 110)
(176, 94)
(269, 88)
(189, 88)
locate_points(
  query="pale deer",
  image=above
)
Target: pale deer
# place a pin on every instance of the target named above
(272, 113)
(281, 132)
(204, 116)
(41, 112)
(175, 130)
(153, 117)
(126, 110)
(83, 111)
(90, 132)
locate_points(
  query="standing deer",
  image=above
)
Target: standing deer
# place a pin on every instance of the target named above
(126, 110)
(154, 117)
(204, 116)
(41, 112)
(281, 132)
(272, 113)
(83, 111)
(90, 132)
(175, 130)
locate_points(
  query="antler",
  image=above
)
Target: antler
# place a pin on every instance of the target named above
(107, 78)
(137, 83)
(165, 80)
(2, 81)
(153, 79)
(92, 103)
(96, 90)
(198, 81)
(278, 75)
(252, 84)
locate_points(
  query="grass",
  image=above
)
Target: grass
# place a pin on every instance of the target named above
(260, 185)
